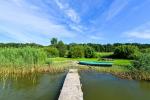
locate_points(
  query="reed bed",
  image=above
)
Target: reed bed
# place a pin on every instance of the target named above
(21, 62)
(21, 57)
(119, 71)
(112, 69)
(15, 73)
(137, 75)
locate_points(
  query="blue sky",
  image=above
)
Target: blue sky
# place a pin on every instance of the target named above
(81, 21)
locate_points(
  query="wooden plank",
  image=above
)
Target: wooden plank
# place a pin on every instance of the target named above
(71, 89)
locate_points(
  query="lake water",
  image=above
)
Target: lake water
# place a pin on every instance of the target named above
(96, 86)
(100, 86)
(36, 87)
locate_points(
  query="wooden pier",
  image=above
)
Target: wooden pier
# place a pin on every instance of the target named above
(71, 89)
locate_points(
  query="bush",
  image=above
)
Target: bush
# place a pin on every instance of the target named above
(76, 52)
(147, 50)
(126, 52)
(89, 52)
(51, 52)
(142, 62)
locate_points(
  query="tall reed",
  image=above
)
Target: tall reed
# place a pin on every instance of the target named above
(21, 57)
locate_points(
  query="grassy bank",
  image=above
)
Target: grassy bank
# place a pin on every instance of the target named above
(120, 68)
(117, 62)
(28, 60)
(119, 71)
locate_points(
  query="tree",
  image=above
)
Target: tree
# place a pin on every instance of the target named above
(108, 48)
(89, 52)
(54, 41)
(76, 52)
(126, 52)
(51, 51)
(62, 48)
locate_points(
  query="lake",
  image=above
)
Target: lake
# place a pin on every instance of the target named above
(35, 87)
(96, 86)
(100, 86)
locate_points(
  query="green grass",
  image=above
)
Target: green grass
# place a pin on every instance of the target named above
(84, 59)
(113, 69)
(122, 62)
(103, 54)
(118, 62)
(60, 59)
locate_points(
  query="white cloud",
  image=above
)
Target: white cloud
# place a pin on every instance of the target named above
(116, 7)
(24, 25)
(73, 15)
(141, 32)
(70, 12)
(140, 35)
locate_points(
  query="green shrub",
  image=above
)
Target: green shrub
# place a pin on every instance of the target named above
(147, 50)
(20, 57)
(89, 52)
(51, 52)
(76, 52)
(142, 62)
(126, 52)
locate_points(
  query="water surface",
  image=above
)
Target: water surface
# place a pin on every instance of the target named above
(100, 86)
(36, 87)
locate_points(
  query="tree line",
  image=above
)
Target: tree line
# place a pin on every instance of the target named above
(138, 53)
(96, 47)
(58, 48)
(18, 45)
(74, 50)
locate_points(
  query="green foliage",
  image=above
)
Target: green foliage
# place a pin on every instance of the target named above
(89, 52)
(51, 51)
(17, 45)
(142, 62)
(97, 47)
(126, 52)
(76, 52)
(147, 50)
(21, 57)
(61, 48)
(54, 41)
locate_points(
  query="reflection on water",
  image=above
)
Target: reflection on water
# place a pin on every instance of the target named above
(96, 86)
(100, 86)
(35, 87)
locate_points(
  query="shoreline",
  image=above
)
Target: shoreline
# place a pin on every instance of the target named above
(118, 71)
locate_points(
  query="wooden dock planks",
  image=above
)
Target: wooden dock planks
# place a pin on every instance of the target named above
(71, 89)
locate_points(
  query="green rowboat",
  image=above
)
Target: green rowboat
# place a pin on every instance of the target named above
(95, 63)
